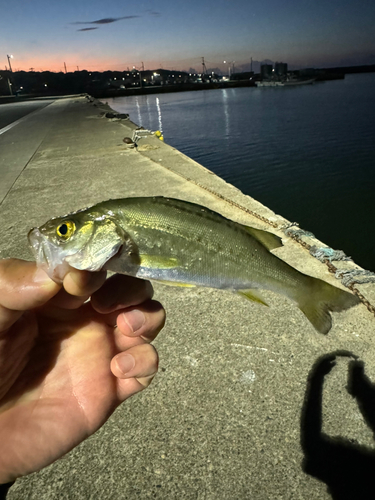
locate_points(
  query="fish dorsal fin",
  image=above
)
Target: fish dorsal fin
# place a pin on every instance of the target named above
(157, 261)
(269, 240)
(253, 296)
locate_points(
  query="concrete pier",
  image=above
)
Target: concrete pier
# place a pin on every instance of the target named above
(232, 413)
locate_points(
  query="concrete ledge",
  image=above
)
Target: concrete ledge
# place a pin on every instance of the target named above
(222, 420)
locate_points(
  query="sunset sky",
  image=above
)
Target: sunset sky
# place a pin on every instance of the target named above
(174, 34)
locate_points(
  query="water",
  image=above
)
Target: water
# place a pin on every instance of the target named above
(306, 152)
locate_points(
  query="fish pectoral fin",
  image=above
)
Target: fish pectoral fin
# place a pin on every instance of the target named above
(157, 261)
(253, 296)
(175, 283)
(269, 240)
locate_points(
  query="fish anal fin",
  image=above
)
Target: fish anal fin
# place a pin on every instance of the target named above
(157, 261)
(269, 240)
(253, 296)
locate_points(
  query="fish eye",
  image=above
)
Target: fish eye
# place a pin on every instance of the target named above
(66, 229)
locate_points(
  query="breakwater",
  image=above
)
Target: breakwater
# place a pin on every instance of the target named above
(222, 418)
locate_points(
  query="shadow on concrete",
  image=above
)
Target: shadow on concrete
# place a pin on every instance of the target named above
(348, 469)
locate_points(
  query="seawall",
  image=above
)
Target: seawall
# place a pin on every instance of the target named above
(232, 402)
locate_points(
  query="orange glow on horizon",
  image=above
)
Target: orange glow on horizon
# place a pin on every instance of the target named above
(56, 64)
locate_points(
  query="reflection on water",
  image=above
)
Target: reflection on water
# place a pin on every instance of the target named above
(226, 112)
(139, 115)
(159, 115)
(306, 152)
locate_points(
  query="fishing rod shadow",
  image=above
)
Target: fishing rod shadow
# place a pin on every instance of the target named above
(348, 469)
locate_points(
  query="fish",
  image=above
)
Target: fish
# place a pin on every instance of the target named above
(181, 243)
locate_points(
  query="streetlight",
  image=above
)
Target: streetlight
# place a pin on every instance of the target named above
(10, 66)
(229, 63)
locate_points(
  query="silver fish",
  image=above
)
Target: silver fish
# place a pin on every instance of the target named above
(180, 243)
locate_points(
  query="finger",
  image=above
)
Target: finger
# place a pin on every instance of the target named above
(8, 317)
(78, 287)
(120, 292)
(134, 369)
(83, 283)
(141, 323)
(22, 287)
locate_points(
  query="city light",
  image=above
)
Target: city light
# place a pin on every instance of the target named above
(229, 63)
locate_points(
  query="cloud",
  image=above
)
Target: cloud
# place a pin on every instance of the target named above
(87, 29)
(153, 13)
(106, 20)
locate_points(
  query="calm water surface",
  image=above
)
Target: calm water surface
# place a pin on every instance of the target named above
(306, 152)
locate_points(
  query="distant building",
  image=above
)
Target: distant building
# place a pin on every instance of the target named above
(266, 71)
(281, 69)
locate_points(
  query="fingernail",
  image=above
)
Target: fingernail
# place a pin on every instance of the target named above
(135, 319)
(125, 363)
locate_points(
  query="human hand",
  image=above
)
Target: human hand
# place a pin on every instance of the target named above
(60, 358)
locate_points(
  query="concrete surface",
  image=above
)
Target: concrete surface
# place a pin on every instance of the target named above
(20, 138)
(9, 113)
(223, 418)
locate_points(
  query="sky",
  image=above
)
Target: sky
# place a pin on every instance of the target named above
(99, 35)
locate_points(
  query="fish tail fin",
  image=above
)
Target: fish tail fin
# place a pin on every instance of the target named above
(320, 299)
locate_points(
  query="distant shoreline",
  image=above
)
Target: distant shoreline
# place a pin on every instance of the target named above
(161, 89)
(320, 74)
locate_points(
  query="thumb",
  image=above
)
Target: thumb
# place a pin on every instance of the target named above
(22, 287)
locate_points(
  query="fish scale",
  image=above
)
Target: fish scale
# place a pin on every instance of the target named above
(180, 243)
(199, 246)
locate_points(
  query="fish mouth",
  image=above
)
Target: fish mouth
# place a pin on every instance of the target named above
(48, 256)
